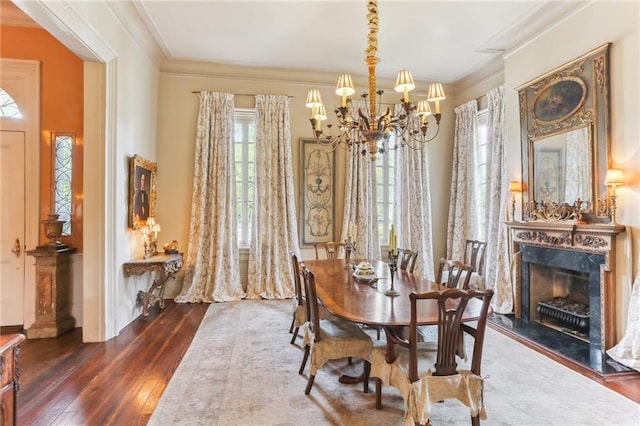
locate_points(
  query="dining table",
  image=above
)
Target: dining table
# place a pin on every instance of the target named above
(366, 302)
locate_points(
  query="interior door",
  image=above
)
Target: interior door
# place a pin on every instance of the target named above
(12, 227)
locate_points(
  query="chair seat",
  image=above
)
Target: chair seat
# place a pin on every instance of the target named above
(420, 396)
(340, 339)
(300, 314)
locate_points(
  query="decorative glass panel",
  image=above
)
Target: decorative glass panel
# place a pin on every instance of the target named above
(62, 169)
(8, 107)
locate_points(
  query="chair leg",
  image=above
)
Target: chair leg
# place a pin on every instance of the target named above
(293, 321)
(304, 359)
(367, 373)
(349, 361)
(295, 334)
(309, 384)
(378, 393)
(378, 332)
(475, 420)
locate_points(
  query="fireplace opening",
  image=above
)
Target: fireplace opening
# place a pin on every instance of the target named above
(560, 299)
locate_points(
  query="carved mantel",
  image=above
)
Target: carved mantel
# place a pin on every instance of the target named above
(590, 238)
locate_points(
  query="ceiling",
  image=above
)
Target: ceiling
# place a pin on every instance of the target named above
(442, 41)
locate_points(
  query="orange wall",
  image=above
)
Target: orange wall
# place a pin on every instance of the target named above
(62, 108)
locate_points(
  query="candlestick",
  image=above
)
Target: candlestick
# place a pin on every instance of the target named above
(393, 267)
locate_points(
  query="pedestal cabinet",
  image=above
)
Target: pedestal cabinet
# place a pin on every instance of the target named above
(9, 376)
(53, 292)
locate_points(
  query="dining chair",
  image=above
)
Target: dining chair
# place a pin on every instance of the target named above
(425, 376)
(474, 256)
(407, 259)
(299, 310)
(331, 249)
(454, 274)
(329, 339)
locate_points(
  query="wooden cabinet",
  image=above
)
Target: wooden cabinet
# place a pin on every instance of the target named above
(9, 376)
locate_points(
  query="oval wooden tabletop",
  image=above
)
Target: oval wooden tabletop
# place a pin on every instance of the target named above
(365, 303)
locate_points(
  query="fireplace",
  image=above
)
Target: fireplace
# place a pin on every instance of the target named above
(565, 279)
(560, 288)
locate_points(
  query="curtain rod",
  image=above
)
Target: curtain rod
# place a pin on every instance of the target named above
(240, 94)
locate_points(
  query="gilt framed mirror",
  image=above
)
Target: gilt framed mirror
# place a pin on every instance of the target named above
(565, 136)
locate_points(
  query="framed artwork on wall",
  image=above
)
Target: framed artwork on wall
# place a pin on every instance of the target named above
(317, 199)
(143, 176)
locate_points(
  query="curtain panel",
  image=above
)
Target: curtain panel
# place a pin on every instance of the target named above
(496, 263)
(274, 224)
(462, 210)
(211, 266)
(360, 204)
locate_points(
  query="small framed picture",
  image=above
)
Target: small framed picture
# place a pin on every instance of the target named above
(143, 175)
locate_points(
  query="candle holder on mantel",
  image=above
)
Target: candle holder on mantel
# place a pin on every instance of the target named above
(393, 267)
(349, 247)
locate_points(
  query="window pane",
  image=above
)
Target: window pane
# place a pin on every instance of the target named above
(62, 169)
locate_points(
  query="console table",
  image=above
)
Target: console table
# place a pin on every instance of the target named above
(166, 266)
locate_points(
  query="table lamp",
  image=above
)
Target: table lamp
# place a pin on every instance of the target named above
(613, 178)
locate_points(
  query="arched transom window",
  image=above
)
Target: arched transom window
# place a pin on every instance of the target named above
(8, 107)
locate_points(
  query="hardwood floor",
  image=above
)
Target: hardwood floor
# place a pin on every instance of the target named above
(64, 381)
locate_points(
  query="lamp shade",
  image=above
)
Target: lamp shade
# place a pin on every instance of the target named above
(614, 177)
(515, 186)
(345, 86)
(404, 81)
(321, 113)
(436, 92)
(313, 99)
(423, 109)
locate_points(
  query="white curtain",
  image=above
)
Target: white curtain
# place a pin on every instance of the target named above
(274, 224)
(462, 207)
(627, 351)
(360, 202)
(413, 206)
(211, 267)
(497, 252)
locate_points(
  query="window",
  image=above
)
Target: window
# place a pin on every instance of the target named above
(244, 144)
(8, 107)
(481, 171)
(385, 191)
(62, 173)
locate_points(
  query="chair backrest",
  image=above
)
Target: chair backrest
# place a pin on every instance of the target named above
(457, 274)
(451, 306)
(407, 259)
(313, 311)
(474, 255)
(331, 249)
(296, 278)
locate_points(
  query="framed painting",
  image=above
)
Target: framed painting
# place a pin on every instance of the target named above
(317, 199)
(549, 172)
(143, 176)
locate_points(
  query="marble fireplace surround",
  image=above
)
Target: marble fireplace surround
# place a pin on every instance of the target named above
(588, 248)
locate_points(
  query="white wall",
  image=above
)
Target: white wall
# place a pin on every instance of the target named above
(591, 26)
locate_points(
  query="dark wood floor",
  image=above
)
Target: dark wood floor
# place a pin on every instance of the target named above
(120, 381)
(64, 381)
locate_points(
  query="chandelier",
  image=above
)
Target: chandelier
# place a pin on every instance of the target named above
(370, 129)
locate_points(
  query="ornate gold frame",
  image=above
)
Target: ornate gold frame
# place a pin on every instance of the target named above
(590, 72)
(140, 166)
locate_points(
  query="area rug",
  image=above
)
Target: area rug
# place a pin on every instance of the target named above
(241, 370)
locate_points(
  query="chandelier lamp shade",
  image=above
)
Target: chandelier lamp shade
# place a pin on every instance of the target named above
(369, 128)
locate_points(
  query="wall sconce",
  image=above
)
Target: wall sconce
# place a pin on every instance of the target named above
(150, 237)
(514, 187)
(613, 178)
